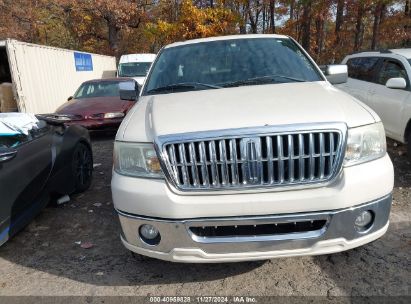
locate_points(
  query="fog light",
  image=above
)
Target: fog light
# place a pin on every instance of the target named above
(364, 220)
(149, 234)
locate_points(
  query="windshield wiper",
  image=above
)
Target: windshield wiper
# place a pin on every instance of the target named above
(261, 80)
(184, 86)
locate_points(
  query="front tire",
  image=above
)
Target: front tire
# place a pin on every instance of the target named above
(82, 167)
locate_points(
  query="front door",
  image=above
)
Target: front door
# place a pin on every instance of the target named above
(389, 103)
(22, 178)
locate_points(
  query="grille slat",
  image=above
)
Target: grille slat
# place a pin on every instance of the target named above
(257, 161)
(322, 157)
(290, 158)
(172, 157)
(194, 168)
(331, 161)
(270, 169)
(311, 153)
(184, 168)
(215, 180)
(233, 160)
(203, 161)
(280, 159)
(300, 156)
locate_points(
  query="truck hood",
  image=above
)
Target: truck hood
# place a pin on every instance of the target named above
(239, 107)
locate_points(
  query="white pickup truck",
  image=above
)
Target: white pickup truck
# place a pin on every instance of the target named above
(239, 148)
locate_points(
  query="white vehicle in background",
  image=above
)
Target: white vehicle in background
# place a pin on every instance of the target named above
(239, 148)
(135, 66)
(382, 81)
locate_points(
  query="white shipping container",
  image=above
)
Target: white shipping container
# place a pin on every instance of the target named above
(44, 77)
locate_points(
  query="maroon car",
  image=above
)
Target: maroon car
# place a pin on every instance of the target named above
(97, 105)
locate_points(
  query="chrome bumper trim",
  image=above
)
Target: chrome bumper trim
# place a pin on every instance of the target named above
(176, 233)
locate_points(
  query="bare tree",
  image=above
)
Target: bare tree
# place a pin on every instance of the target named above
(359, 26)
(339, 20)
(292, 7)
(272, 19)
(306, 25)
(378, 17)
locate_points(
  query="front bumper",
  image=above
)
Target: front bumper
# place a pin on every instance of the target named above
(179, 244)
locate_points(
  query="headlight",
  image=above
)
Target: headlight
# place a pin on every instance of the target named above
(136, 159)
(114, 115)
(364, 144)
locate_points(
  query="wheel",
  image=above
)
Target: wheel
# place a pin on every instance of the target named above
(82, 166)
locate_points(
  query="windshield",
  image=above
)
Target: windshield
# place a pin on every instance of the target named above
(98, 89)
(209, 65)
(133, 69)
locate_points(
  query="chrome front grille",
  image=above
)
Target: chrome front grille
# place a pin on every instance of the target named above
(203, 161)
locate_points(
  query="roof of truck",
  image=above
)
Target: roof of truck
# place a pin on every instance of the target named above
(119, 79)
(137, 58)
(402, 52)
(231, 37)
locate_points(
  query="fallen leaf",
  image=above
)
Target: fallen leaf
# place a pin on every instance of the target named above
(87, 245)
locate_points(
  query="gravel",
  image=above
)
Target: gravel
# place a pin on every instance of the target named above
(46, 258)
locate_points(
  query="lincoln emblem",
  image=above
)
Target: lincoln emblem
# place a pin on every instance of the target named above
(250, 148)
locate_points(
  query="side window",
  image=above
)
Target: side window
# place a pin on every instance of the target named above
(362, 68)
(391, 69)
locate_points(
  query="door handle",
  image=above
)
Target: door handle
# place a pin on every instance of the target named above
(7, 155)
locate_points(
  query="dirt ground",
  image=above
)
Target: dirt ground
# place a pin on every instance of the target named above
(46, 259)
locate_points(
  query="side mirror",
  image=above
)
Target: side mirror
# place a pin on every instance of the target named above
(396, 83)
(70, 98)
(336, 73)
(128, 90)
(7, 154)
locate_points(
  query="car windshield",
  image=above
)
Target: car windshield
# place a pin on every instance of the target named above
(228, 63)
(133, 69)
(98, 89)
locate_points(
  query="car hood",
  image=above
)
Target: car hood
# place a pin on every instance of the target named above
(239, 107)
(95, 105)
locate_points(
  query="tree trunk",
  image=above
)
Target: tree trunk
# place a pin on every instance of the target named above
(359, 27)
(407, 10)
(319, 28)
(264, 17)
(306, 25)
(292, 5)
(113, 33)
(241, 8)
(339, 21)
(253, 19)
(272, 19)
(378, 16)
